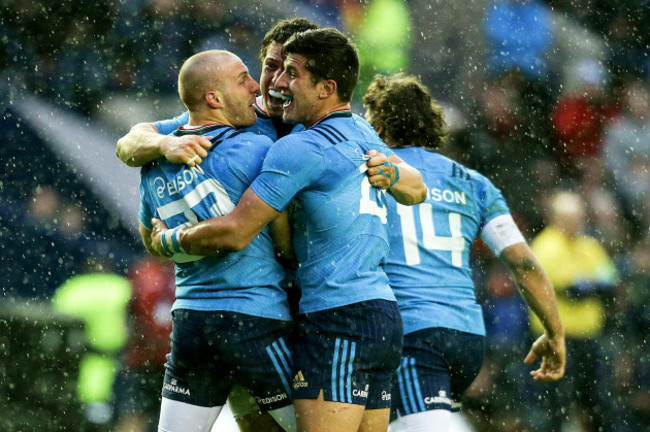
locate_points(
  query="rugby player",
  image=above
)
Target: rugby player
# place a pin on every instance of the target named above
(428, 264)
(349, 331)
(231, 319)
(149, 141)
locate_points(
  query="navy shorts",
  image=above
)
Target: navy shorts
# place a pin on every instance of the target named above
(350, 352)
(210, 350)
(438, 365)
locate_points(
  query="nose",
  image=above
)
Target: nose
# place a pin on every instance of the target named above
(280, 80)
(254, 87)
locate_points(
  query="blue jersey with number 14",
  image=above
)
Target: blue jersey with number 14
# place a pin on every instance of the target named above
(340, 235)
(247, 281)
(428, 264)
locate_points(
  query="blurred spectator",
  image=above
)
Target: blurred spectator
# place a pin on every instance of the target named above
(580, 114)
(99, 298)
(636, 328)
(501, 145)
(139, 383)
(627, 152)
(520, 35)
(383, 38)
(448, 47)
(582, 275)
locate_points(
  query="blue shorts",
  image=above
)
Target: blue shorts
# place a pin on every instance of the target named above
(210, 350)
(350, 352)
(438, 365)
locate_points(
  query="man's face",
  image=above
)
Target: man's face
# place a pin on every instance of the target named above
(238, 90)
(272, 65)
(301, 95)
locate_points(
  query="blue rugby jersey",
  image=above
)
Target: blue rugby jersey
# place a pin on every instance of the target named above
(339, 232)
(428, 265)
(247, 281)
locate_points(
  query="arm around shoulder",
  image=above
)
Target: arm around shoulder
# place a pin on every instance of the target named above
(144, 144)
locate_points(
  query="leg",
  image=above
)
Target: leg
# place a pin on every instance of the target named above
(285, 417)
(426, 421)
(177, 416)
(319, 415)
(250, 418)
(258, 421)
(375, 420)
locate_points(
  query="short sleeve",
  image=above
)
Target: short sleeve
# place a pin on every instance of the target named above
(165, 127)
(291, 165)
(491, 200)
(146, 212)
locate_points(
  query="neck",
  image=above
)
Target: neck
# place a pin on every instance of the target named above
(200, 118)
(327, 109)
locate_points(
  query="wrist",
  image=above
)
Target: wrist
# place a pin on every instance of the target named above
(396, 178)
(170, 241)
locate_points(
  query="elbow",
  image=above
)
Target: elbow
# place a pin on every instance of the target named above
(237, 244)
(420, 195)
(121, 154)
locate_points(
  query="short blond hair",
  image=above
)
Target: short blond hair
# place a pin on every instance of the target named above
(200, 74)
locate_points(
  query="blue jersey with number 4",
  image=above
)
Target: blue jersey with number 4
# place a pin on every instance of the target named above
(428, 264)
(247, 281)
(340, 234)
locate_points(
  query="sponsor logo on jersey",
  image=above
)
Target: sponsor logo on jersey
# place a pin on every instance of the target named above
(361, 393)
(440, 399)
(299, 381)
(271, 399)
(178, 183)
(447, 196)
(173, 387)
(385, 396)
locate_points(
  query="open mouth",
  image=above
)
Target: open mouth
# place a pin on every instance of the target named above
(288, 100)
(275, 98)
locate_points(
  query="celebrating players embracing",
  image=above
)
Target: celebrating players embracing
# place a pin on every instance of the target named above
(349, 329)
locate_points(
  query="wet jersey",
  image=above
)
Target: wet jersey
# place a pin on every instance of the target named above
(247, 281)
(339, 232)
(428, 265)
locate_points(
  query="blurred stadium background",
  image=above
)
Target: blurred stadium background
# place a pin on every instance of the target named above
(540, 96)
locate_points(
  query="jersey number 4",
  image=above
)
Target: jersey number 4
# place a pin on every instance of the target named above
(369, 206)
(454, 244)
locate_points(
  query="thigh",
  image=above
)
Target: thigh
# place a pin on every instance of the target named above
(320, 415)
(348, 354)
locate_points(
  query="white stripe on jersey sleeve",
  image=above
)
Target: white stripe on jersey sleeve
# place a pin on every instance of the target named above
(500, 233)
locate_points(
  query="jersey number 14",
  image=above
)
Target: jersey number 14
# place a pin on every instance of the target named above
(454, 244)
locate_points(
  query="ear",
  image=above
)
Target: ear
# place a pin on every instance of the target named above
(380, 131)
(328, 88)
(214, 99)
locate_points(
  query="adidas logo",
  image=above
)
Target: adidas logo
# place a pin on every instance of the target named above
(299, 381)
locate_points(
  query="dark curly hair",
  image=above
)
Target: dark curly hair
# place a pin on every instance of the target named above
(283, 31)
(409, 116)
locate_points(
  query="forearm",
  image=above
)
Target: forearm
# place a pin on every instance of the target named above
(141, 145)
(409, 189)
(280, 229)
(535, 287)
(212, 236)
